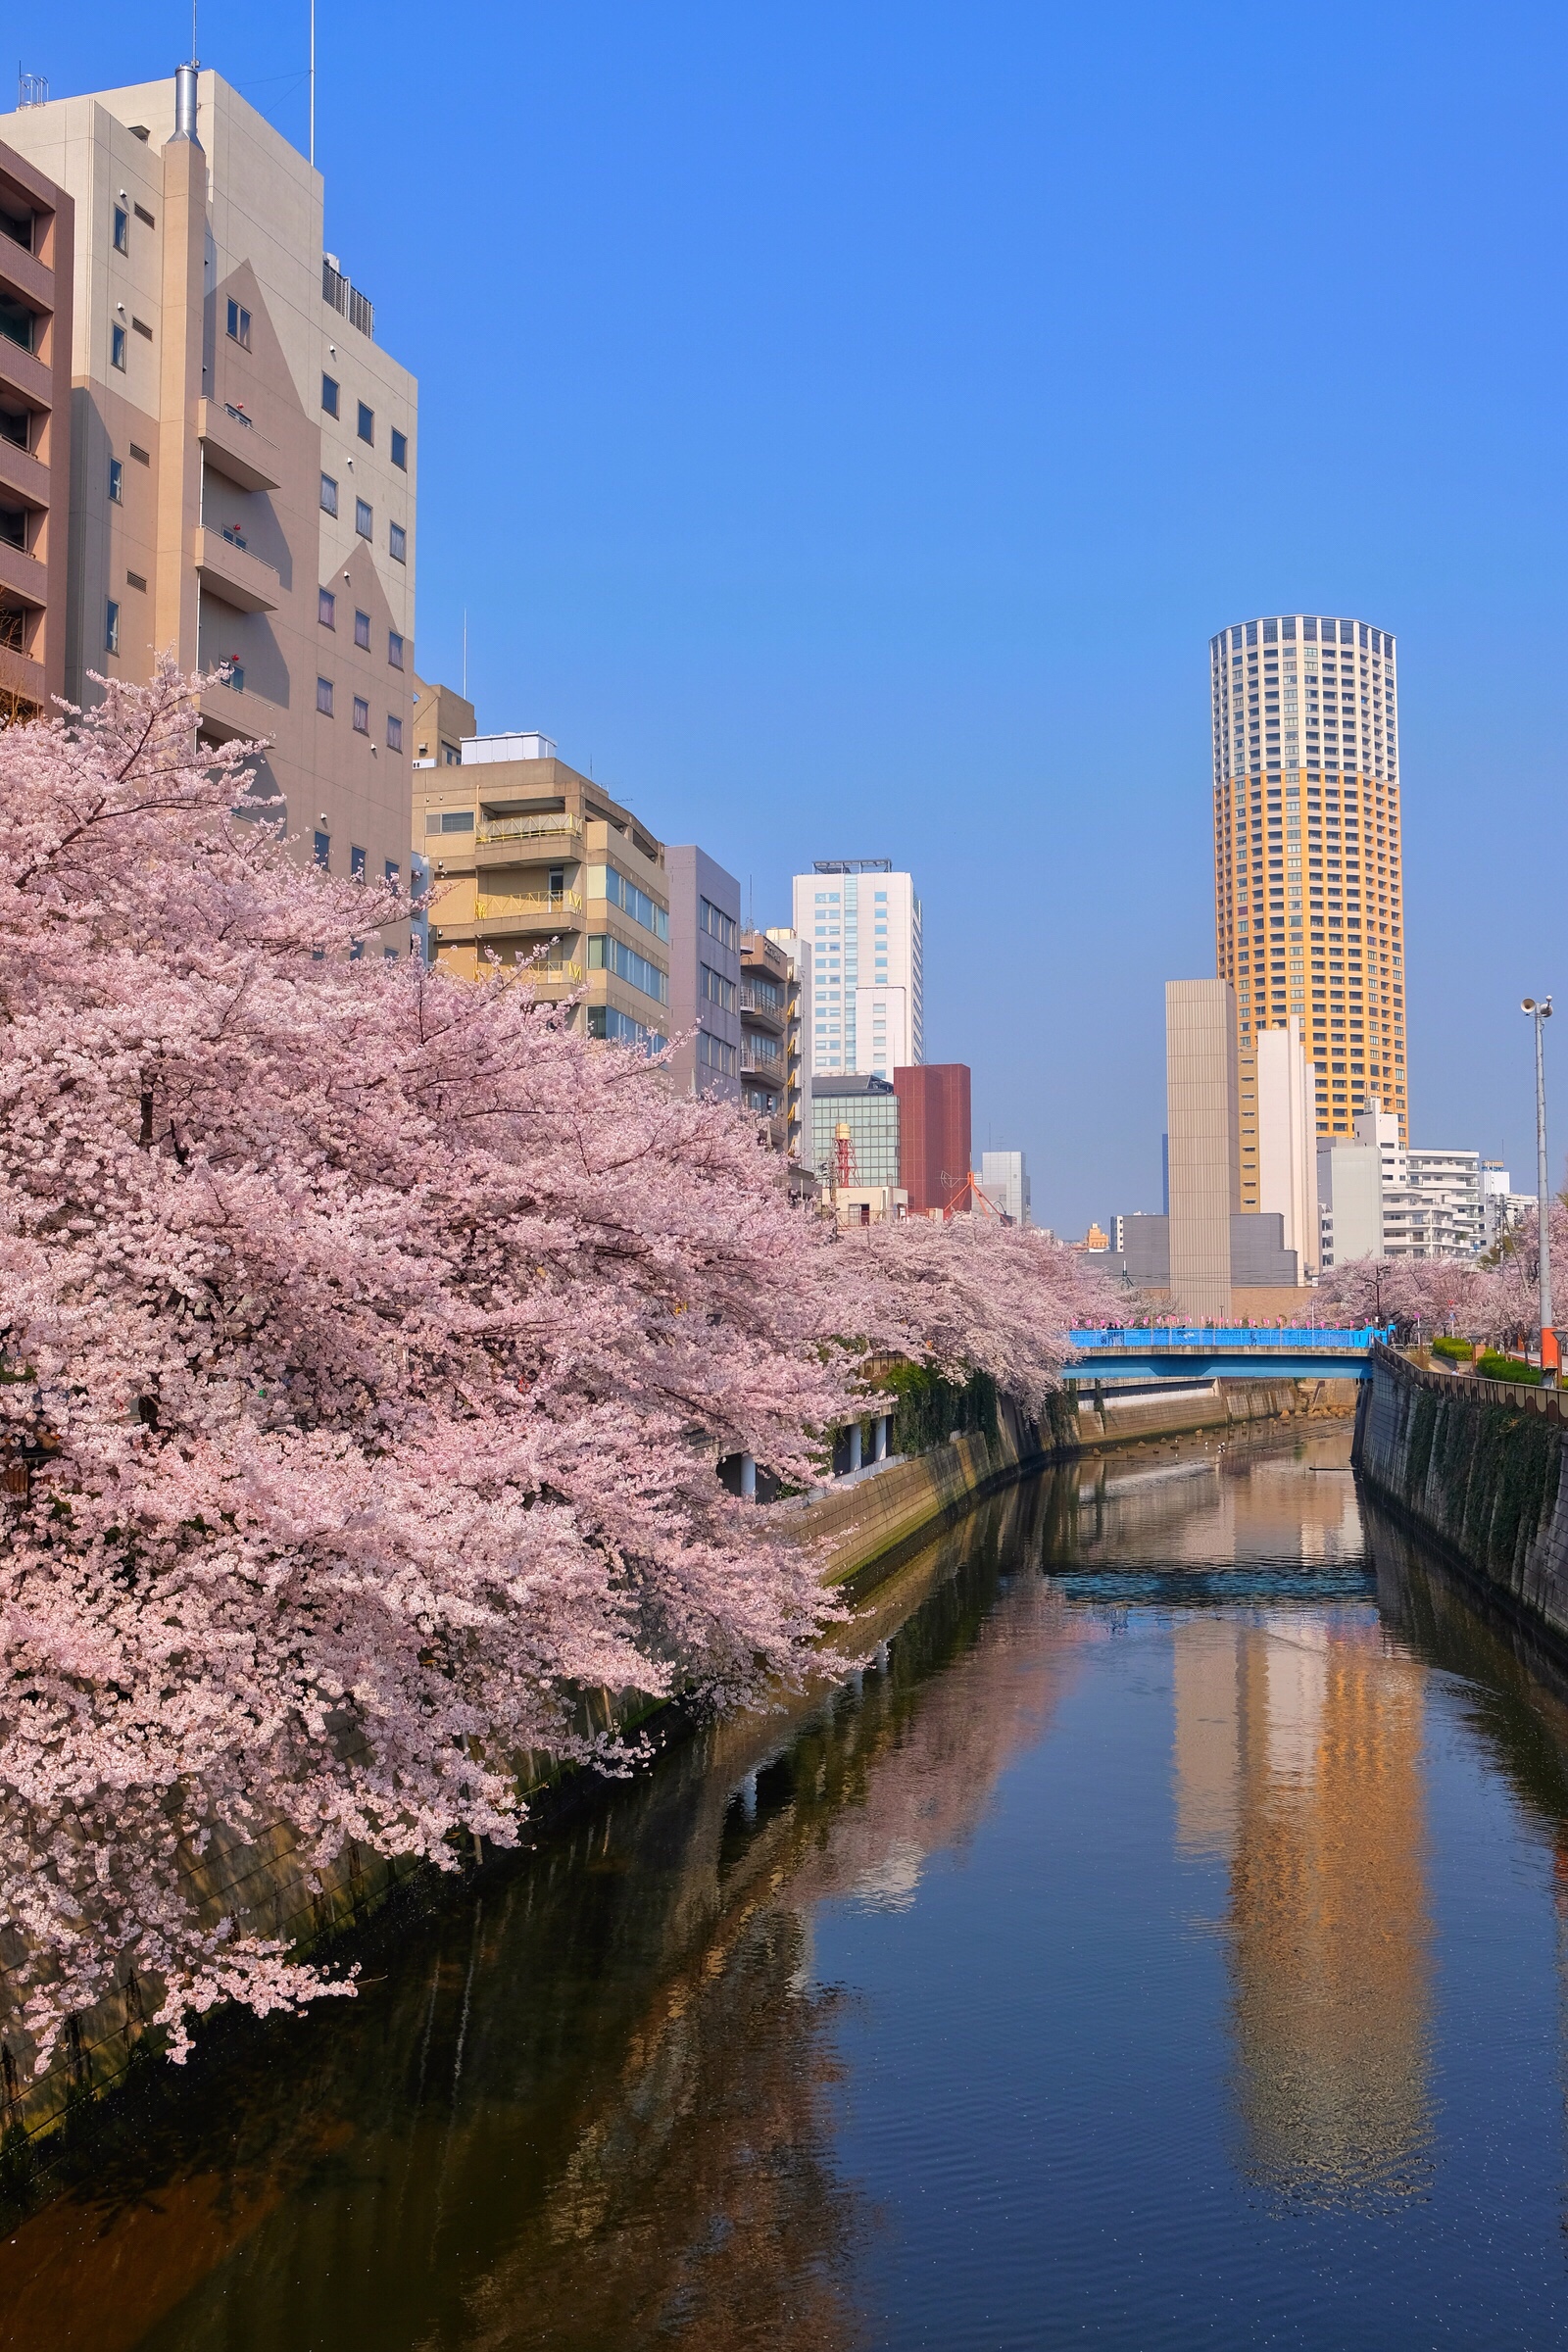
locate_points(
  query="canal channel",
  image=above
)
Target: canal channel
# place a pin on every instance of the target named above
(1160, 1938)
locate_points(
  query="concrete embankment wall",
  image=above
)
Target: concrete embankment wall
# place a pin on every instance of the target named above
(862, 1527)
(1475, 1465)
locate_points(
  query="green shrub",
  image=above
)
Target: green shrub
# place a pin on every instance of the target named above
(928, 1410)
(1508, 1367)
(1458, 1350)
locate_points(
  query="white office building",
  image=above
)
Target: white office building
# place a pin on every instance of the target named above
(1005, 1182)
(1287, 1140)
(1350, 1193)
(862, 921)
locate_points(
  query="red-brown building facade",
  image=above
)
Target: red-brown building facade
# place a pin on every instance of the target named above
(934, 1136)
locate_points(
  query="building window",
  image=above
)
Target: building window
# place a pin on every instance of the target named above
(110, 627)
(116, 348)
(327, 607)
(400, 450)
(232, 674)
(239, 326)
(714, 987)
(392, 873)
(398, 544)
(122, 229)
(607, 955)
(363, 519)
(323, 697)
(328, 495)
(356, 865)
(448, 820)
(117, 482)
(716, 923)
(394, 649)
(609, 882)
(361, 715)
(324, 851)
(361, 630)
(394, 732)
(330, 394)
(367, 427)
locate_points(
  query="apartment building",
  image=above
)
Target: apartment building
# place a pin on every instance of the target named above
(1433, 1202)
(1308, 872)
(865, 925)
(705, 974)
(769, 1023)
(243, 454)
(797, 952)
(533, 864)
(38, 229)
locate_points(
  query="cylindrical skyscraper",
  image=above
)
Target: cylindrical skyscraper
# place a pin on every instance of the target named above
(1308, 888)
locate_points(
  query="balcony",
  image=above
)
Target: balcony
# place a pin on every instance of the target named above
(229, 570)
(761, 1058)
(764, 1004)
(234, 448)
(23, 475)
(23, 576)
(529, 828)
(532, 909)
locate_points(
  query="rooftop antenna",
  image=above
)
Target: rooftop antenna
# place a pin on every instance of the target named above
(313, 82)
(464, 653)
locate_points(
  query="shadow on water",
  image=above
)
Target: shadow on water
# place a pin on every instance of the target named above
(601, 2094)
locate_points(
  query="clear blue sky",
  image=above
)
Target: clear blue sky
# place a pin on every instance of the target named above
(846, 425)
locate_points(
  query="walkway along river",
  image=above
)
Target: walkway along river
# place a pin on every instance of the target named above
(1162, 1940)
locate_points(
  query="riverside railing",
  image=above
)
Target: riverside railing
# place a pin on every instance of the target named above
(1263, 1337)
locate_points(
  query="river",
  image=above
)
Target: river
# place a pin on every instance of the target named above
(1161, 1942)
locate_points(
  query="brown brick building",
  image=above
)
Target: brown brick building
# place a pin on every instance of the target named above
(934, 1136)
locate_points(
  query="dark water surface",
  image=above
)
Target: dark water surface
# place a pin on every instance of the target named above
(1163, 1943)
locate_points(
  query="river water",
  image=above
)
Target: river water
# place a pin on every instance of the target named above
(1163, 1942)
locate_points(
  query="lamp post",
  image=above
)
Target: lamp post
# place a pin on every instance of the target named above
(1539, 1013)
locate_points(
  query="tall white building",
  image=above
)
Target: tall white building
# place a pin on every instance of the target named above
(1432, 1199)
(1349, 1194)
(1005, 1182)
(862, 921)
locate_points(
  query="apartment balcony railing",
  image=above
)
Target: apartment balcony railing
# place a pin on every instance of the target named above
(763, 1000)
(529, 906)
(762, 1057)
(529, 828)
(347, 300)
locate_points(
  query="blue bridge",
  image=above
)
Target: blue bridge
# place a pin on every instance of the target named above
(1210, 1352)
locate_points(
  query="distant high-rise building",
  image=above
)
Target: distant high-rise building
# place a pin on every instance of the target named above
(934, 1137)
(1005, 1181)
(1287, 1141)
(244, 455)
(1201, 1122)
(1309, 889)
(863, 923)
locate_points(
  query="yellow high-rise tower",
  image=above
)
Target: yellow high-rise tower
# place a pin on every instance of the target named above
(1309, 885)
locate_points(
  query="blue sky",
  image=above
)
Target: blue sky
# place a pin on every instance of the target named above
(880, 409)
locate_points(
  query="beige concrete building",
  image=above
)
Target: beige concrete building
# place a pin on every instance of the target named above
(244, 455)
(36, 277)
(533, 864)
(1287, 1141)
(1309, 876)
(1203, 1120)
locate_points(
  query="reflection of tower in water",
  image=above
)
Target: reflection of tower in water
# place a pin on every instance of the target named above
(1297, 1745)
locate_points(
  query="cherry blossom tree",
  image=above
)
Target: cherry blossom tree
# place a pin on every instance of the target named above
(1431, 1294)
(374, 1338)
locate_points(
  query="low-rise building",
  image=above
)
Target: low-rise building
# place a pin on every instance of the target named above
(535, 864)
(855, 1131)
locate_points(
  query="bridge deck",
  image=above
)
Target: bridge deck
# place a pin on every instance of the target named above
(1241, 1352)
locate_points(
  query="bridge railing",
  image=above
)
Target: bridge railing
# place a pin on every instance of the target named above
(1268, 1339)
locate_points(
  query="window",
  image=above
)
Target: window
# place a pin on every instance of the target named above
(620, 1029)
(366, 427)
(607, 955)
(361, 630)
(715, 988)
(117, 482)
(363, 519)
(328, 495)
(110, 627)
(716, 923)
(324, 851)
(398, 544)
(239, 326)
(232, 674)
(394, 649)
(394, 732)
(607, 882)
(356, 865)
(448, 820)
(122, 229)
(327, 607)
(400, 449)
(323, 697)
(392, 872)
(329, 395)
(361, 715)
(116, 348)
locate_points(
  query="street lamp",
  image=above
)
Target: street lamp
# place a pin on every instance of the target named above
(1549, 1337)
